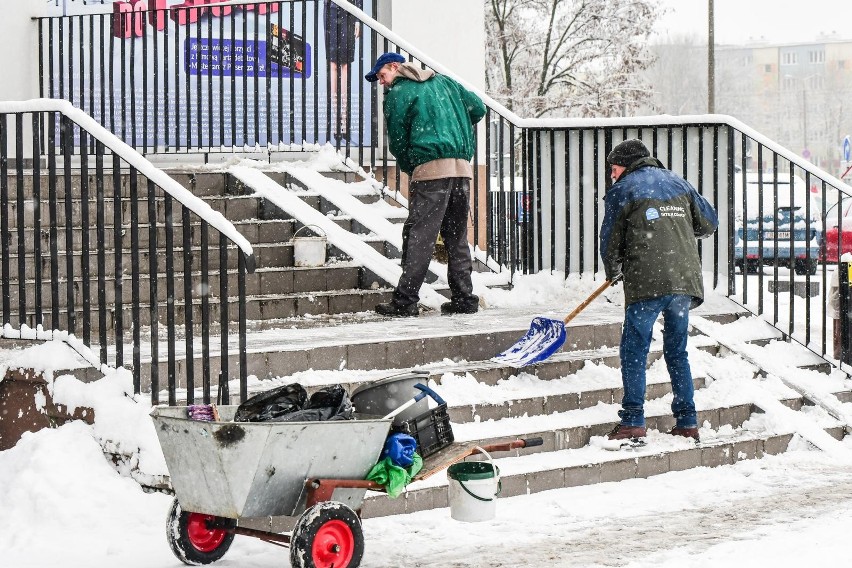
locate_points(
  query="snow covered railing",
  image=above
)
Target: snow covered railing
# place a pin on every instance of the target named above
(122, 249)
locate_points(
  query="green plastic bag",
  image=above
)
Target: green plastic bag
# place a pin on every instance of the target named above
(392, 477)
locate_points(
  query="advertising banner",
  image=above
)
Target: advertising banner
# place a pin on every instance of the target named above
(207, 74)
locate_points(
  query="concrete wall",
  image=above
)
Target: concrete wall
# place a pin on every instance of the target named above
(452, 32)
(19, 49)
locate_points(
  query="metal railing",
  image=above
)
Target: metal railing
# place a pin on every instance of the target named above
(781, 218)
(103, 245)
(536, 195)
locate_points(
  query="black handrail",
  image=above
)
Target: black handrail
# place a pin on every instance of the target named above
(71, 287)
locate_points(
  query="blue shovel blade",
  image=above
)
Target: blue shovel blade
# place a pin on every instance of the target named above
(543, 339)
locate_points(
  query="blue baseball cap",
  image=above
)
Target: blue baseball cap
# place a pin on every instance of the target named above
(383, 60)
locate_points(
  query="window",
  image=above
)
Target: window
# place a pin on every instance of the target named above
(816, 56)
(816, 82)
(788, 83)
(789, 58)
(767, 68)
(841, 64)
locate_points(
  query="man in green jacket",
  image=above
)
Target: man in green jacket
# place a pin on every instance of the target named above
(430, 120)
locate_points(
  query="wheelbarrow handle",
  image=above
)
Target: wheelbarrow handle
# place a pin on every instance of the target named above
(530, 442)
(513, 445)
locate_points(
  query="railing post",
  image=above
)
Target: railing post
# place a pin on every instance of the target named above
(845, 315)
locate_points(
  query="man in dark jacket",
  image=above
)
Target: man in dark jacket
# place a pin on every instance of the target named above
(651, 222)
(430, 120)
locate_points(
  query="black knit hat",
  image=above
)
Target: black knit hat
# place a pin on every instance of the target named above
(627, 152)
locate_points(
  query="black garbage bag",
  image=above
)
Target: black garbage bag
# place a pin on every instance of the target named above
(272, 404)
(330, 403)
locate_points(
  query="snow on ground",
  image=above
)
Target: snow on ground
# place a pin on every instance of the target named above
(64, 505)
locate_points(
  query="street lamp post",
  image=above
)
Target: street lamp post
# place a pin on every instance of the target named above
(711, 56)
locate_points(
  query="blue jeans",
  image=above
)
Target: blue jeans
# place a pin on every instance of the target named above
(639, 321)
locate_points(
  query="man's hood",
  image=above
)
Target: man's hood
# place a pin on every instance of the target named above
(415, 72)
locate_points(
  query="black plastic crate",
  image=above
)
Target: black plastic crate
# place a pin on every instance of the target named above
(431, 429)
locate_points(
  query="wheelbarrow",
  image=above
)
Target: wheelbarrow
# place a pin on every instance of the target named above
(309, 475)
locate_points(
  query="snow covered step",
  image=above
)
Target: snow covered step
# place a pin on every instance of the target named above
(529, 396)
(574, 429)
(218, 181)
(525, 474)
(568, 361)
(756, 339)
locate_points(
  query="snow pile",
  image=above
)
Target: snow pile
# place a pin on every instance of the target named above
(122, 423)
(121, 426)
(64, 505)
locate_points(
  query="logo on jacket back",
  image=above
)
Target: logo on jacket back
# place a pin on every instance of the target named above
(651, 214)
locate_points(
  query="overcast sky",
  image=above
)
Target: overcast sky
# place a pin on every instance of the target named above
(739, 21)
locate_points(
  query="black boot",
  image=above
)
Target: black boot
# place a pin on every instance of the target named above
(396, 310)
(469, 305)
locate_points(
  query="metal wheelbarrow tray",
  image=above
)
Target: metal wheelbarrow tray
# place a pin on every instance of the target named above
(224, 471)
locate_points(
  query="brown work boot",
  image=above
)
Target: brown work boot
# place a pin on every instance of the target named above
(685, 432)
(622, 432)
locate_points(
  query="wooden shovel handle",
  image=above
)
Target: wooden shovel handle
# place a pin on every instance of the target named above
(590, 299)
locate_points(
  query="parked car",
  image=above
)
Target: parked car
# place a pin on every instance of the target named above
(788, 235)
(838, 232)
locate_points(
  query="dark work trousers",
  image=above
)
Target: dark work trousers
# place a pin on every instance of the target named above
(438, 205)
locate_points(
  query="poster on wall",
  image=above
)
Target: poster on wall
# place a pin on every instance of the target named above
(206, 74)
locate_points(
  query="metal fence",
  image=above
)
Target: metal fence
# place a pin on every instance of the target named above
(97, 247)
(783, 222)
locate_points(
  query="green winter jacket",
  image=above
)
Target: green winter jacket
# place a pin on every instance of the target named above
(429, 117)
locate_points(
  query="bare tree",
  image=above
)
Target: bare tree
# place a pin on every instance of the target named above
(678, 77)
(569, 57)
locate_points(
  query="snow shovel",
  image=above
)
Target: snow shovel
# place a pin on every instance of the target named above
(424, 391)
(545, 336)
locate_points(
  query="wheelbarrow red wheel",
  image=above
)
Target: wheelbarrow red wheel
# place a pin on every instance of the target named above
(193, 540)
(328, 535)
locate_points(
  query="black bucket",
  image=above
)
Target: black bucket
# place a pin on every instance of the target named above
(382, 397)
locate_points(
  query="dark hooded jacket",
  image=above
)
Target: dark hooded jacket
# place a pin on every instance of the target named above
(651, 222)
(429, 117)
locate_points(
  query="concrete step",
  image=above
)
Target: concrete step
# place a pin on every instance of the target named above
(435, 343)
(525, 474)
(200, 183)
(270, 255)
(264, 282)
(268, 307)
(255, 231)
(572, 454)
(235, 208)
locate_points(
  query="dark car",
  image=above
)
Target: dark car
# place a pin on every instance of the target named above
(775, 229)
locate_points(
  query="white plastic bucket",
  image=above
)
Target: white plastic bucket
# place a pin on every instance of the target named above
(473, 490)
(309, 251)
